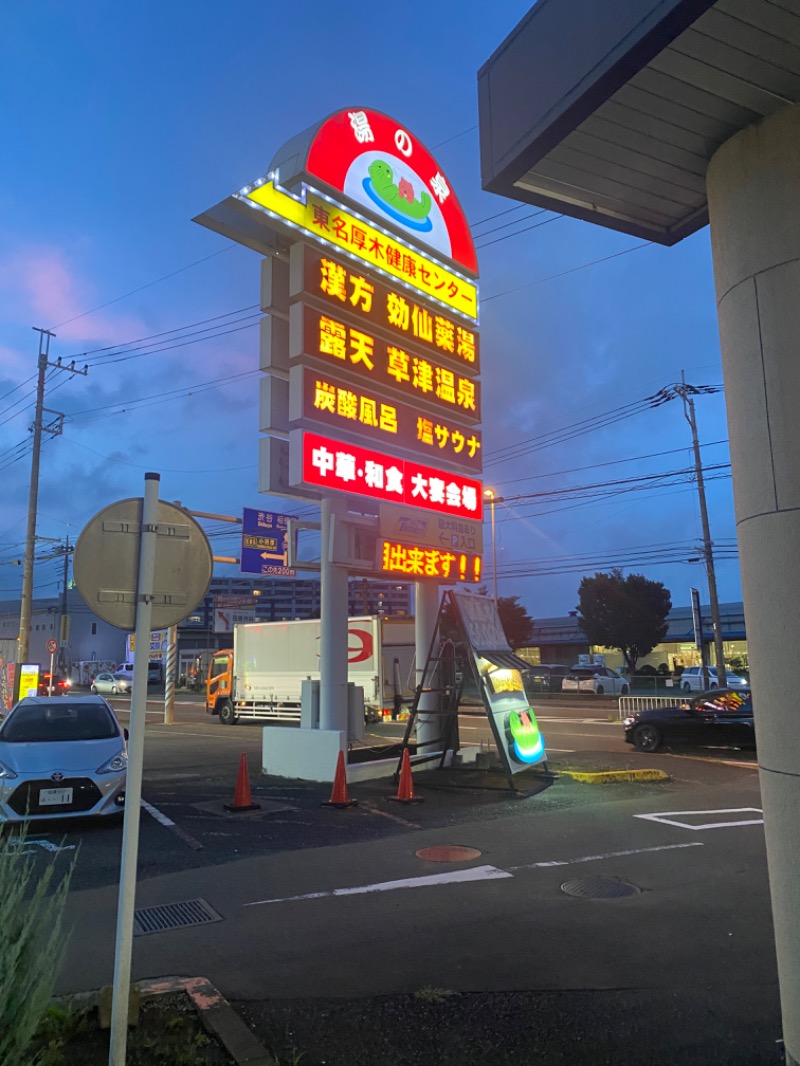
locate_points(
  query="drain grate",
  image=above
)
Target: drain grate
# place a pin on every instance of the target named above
(599, 888)
(173, 916)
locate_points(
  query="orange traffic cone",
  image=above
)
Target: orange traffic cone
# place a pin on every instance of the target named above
(405, 793)
(339, 795)
(242, 800)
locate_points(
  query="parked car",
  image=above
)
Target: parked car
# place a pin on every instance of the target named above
(546, 677)
(111, 683)
(597, 679)
(693, 680)
(61, 757)
(722, 717)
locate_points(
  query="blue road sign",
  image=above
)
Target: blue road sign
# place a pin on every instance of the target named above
(264, 544)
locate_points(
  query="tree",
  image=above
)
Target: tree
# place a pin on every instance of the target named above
(628, 613)
(516, 622)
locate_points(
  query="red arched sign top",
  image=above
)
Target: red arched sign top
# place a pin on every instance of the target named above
(375, 161)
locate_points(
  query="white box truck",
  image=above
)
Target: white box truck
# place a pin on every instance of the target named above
(262, 675)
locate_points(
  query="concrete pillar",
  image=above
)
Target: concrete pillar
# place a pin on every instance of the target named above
(333, 626)
(754, 194)
(426, 609)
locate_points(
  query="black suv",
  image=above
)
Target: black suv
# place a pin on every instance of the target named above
(546, 677)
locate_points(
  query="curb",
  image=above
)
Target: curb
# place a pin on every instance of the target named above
(216, 1014)
(607, 777)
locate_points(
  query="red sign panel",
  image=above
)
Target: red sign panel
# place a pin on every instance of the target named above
(419, 379)
(416, 563)
(384, 168)
(332, 464)
(374, 416)
(392, 310)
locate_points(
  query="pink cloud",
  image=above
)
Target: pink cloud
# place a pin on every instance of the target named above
(41, 284)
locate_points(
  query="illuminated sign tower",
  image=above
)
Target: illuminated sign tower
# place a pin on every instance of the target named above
(370, 350)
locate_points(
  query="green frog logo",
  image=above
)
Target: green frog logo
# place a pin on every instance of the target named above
(397, 199)
(525, 742)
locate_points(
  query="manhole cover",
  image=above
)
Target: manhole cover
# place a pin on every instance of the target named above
(599, 888)
(448, 853)
(173, 916)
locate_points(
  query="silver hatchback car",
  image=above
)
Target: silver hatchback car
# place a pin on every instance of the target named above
(61, 758)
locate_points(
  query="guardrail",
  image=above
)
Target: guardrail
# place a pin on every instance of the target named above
(631, 704)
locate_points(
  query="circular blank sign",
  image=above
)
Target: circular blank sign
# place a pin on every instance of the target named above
(106, 564)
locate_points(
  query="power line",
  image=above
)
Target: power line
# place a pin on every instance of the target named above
(516, 233)
(644, 480)
(499, 214)
(147, 285)
(584, 425)
(609, 462)
(563, 273)
(116, 349)
(165, 470)
(112, 410)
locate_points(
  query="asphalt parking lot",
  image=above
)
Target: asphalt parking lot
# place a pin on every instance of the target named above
(318, 902)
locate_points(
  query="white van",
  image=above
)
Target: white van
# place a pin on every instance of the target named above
(155, 671)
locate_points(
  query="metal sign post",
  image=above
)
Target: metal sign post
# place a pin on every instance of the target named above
(123, 947)
(52, 647)
(138, 564)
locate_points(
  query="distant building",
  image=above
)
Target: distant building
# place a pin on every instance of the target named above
(561, 640)
(205, 630)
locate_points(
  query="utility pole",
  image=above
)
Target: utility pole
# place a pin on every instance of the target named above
(686, 392)
(54, 427)
(63, 631)
(23, 646)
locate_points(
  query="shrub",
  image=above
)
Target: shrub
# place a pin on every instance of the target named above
(32, 945)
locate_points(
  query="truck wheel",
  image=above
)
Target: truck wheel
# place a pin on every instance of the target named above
(226, 713)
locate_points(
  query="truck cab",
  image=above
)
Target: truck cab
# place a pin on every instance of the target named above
(219, 686)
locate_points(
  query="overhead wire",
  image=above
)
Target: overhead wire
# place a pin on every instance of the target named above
(147, 285)
(608, 462)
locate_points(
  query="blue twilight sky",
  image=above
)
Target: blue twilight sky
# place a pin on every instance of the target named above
(122, 122)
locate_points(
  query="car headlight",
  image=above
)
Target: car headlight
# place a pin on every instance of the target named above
(114, 764)
(628, 722)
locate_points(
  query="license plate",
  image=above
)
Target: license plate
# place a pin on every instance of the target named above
(54, 797)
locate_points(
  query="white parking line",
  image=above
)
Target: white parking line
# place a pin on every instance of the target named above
(668, 818)
(607, 855)
(186, 733)
(168, 823)
(580, 721)
(474, 873)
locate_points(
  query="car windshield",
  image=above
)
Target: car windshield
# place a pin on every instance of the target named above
(32, 723)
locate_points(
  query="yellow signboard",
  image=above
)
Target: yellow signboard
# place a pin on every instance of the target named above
(324, 220)
(28, 680)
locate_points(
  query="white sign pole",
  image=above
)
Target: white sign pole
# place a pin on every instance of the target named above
(50, 683)
(169, 681)
(123, 949)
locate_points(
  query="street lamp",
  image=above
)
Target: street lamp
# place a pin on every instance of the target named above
(493, 499)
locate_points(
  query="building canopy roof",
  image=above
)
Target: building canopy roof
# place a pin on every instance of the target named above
(612, 112)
